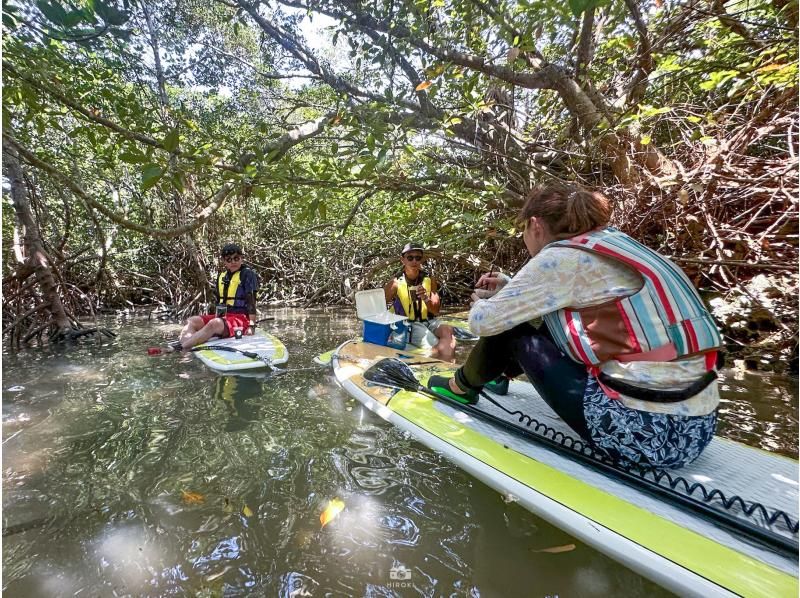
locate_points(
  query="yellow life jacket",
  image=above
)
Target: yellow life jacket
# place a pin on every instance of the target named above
(404, 303)
(228, 292)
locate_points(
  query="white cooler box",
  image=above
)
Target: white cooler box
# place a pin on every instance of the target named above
(381, 327)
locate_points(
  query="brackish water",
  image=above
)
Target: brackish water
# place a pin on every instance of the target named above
(125, 474)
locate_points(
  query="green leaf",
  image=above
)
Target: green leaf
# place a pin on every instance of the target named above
(53, 11)
(151, 173)
(132, 158)
(578, 7)
(647, 111)
(170, 142)
(73, 18)
(368, 168)
(6, 119)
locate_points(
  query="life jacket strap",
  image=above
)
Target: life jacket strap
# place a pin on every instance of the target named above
(657, 396)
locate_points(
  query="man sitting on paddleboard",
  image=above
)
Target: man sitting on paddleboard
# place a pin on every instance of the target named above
(235, 307)
(627, 353)
(414, 293)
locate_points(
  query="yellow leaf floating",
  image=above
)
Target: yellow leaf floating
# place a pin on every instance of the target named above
(192, 498)
(330, 513)
(423, 85)
(246, 511)
(557, 549)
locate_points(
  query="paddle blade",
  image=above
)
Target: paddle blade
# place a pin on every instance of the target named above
(463, 335)
(392, 372)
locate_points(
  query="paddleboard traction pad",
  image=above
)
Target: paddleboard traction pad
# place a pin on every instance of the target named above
(263, 344)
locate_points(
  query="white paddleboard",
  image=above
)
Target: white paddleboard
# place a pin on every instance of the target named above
(265, 345)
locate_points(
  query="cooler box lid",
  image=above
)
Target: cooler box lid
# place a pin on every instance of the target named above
(385, 317)
(371, 305)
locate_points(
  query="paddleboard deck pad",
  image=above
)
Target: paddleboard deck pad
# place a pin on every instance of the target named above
(685, 552)
(409, 352)
(222, 359)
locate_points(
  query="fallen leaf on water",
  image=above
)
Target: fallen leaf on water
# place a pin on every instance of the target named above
(331, 511)
(192, 498)
(423, 85)
(246, 511)
(220, 574)
(227, 506)
(557, 549)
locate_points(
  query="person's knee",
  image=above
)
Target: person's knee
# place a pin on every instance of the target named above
(195, 322)
(216, 326)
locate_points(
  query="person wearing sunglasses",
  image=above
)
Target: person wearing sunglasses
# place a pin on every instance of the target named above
(414, 293)
(627, 352)
(235, 305)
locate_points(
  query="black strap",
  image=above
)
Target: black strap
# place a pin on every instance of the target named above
(249, 354)
(415, 303)
(658, 396)
(226, 282)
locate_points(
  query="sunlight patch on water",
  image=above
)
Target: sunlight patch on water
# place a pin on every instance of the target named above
(127, 555)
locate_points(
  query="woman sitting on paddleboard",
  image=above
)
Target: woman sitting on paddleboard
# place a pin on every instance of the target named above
(627, 352)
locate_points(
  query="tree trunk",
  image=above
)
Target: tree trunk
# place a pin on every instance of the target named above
(36, 257)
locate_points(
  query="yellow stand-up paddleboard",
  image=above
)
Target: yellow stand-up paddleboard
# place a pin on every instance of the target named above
(706, 550)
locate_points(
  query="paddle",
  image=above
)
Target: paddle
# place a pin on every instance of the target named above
(463, 335)
(249, 354)
(396, 374)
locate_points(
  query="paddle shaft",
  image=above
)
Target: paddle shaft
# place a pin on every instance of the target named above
(249, 354)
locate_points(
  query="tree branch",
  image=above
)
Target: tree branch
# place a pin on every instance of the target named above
(354, 211)
(163, 233)
(94, 117)
(585, 43)
(644, 59)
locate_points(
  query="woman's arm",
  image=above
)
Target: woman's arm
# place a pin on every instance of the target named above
(543, 285)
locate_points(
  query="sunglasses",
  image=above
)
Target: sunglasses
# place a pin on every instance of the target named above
(235, 258)
(414, 258)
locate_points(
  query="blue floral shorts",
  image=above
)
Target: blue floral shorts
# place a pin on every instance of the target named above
(629, 436)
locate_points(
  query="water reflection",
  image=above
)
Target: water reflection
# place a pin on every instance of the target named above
(760, 410)
(133, 475)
